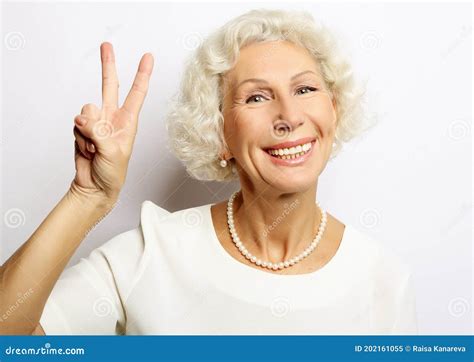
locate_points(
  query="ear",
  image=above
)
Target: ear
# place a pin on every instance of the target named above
(334, 104)
(225, 155)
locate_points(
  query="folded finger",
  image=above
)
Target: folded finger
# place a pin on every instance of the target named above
(91, 110)
(97, 132)
(81, 144)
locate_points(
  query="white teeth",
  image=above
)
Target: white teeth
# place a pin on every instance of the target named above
(291, 151)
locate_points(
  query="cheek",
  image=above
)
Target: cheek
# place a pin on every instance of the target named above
(235, 130)
(246, 128)
(322, 113)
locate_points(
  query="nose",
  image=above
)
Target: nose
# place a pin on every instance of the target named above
(290, 116)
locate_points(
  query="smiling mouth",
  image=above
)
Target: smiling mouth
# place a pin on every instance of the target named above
(291, 152)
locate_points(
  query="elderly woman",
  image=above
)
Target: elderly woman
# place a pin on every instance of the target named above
(267, 100)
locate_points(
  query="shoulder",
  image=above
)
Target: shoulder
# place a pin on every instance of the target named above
(164, 228)
(127, 253)
(382, 261)
(153, 216)
(151, 210)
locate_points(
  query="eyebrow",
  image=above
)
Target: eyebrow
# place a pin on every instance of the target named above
(258, 80)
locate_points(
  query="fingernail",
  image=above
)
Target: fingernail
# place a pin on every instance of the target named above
(80, 121)
(91, 147)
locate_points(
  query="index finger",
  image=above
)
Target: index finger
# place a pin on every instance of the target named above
(136, 96)
(110, 82)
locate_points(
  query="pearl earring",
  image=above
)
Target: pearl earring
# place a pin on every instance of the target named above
(223, 163)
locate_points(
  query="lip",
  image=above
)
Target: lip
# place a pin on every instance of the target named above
(292, 162)
(289, 144)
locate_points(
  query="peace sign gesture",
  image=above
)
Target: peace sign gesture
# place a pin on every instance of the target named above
(104, 137)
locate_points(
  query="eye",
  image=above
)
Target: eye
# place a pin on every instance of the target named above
(255, 96)
(312, 89)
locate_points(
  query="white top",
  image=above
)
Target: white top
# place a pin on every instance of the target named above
(171, 275)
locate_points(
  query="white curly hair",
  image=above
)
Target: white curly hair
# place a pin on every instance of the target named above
(195, 123)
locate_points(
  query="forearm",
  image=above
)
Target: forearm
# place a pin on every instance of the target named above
(31, 272)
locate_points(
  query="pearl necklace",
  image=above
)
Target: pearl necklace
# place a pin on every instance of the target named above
(265, 264)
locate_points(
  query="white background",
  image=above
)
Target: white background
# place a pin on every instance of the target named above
(407, 182)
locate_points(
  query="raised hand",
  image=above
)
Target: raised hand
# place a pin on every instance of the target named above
(104, 137)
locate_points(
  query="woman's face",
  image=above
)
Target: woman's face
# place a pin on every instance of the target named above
(275, 94)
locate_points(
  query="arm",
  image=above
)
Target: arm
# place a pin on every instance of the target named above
(36, 266)
(38, 331)
(101, 161)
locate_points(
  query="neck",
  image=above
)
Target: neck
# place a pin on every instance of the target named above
(277, 226)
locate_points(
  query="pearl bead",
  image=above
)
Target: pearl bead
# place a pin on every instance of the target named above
(265, 264)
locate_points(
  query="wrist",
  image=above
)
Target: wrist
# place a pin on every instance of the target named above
(95, 200)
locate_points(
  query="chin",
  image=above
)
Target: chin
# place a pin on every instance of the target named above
(289, 184)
